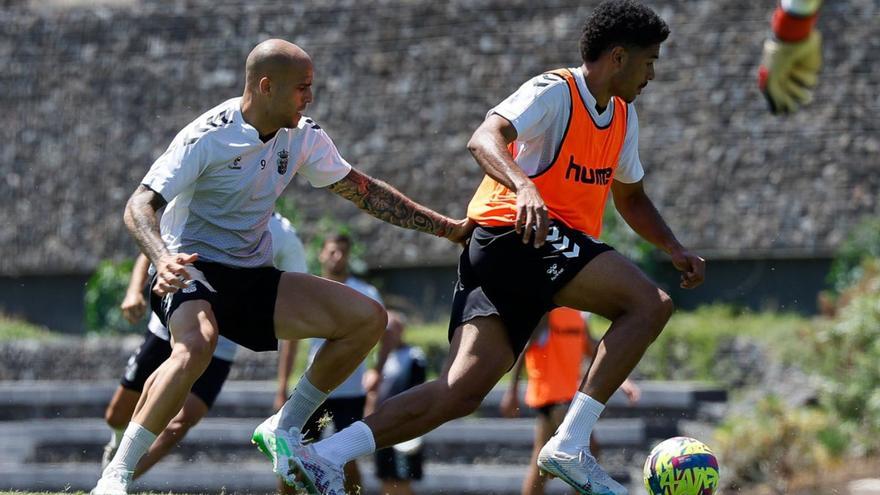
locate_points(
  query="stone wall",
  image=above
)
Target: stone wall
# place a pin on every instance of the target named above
(93, 92)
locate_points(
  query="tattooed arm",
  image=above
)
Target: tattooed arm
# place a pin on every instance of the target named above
(388, 204)
(143, 224)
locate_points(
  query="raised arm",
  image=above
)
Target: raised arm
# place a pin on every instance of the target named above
(488, 145)
(390, 205)
(142, 222)
(639, 212)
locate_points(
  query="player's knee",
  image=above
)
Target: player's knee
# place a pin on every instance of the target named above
(372, 322)
(664, 307)
(114, 418)
(658, 312)
(193, 356)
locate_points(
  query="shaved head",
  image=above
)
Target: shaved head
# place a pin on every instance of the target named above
(273, 58)
(278, 85)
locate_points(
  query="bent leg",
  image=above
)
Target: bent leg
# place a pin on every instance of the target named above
(194, 335)
(479, 356)
(613, 287)
(309, 306)
(194, 409)
(121, 407)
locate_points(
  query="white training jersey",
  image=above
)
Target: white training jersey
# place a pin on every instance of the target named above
(289, 256)
(353, 385)
(539, 111)
(221, 182)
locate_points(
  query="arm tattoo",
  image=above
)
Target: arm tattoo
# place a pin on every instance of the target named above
(143, 223)
(388, 204)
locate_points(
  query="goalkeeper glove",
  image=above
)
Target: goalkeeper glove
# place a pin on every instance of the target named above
(791, 62)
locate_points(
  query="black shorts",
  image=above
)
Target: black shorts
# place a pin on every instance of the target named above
(392, 464)
(154, 351)
(499, 275)
(243, 301)
(343, 411)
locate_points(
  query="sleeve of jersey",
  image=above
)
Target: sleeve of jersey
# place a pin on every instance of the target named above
(176, 169)
(324, 165)
(629, 168)
(534, 106)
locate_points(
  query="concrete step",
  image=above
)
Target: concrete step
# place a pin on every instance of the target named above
(257, 477)
(660, 402)
(469, 440)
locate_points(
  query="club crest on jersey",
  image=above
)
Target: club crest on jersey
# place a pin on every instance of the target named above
(236, 164)
(283, 158)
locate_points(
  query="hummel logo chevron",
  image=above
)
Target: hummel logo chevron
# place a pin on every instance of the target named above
(563, 244)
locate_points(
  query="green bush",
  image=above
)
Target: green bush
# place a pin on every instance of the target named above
(774, 443)
(863, 243)
(104, 292)
(12, 328)
(692, 345)
(847, 357)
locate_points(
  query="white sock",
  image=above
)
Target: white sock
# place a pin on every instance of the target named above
(574, 432)
(134, 444)
(302, 403)
(348, 444)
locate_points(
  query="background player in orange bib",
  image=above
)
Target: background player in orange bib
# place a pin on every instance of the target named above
(553, 358)
(552, 153)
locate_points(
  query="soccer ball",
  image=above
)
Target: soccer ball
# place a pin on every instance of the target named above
(681, 466)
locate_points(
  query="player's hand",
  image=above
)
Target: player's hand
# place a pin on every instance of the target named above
(789, 71)
(171, 274)
(631, 390)
(371, 380)
(531, 215)
(691, 266)
(460, 230)
(510, 404)
(133, 306)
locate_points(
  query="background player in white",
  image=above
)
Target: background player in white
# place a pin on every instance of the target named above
(288, 255)
(345, 404)
(792, 56)
(218, 182)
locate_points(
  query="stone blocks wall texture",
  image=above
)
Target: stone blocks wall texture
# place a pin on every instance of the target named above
(94, 91)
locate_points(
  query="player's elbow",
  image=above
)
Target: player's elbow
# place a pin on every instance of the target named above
(473, 144)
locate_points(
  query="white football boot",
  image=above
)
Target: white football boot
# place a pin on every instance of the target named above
(278, 445)
(579, 469)
(114, 481)
(317, 475)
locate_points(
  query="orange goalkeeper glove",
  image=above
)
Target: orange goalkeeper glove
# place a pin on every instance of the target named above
(791, 62)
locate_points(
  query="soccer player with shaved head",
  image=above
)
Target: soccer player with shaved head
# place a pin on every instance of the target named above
(211, 253)
(552, 152)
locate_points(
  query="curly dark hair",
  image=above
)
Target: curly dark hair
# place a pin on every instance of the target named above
(620, 22)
